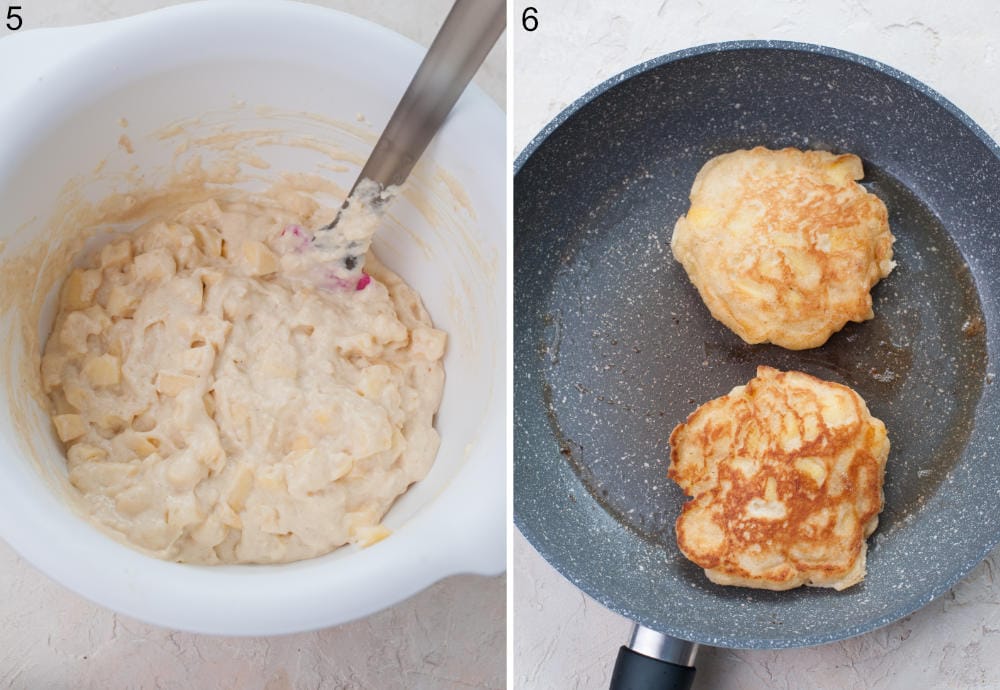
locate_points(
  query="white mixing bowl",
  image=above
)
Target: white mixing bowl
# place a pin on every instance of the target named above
(69, 95)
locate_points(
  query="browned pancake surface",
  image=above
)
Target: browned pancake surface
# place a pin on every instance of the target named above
(784, 246)
(785, 475)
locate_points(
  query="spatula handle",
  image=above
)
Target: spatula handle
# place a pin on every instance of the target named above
(461, 45)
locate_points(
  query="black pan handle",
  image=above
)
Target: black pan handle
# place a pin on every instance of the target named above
(654, 661)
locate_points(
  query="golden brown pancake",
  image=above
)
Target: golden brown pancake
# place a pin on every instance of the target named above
(785, 475)
(784, 246)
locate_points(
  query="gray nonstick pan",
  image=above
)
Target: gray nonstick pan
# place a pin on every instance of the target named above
(613, 346)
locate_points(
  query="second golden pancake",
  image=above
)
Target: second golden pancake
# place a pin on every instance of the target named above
(785, 475)
(784, 246)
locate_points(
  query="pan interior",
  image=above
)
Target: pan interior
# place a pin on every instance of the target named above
(629, 350)
(614, 347)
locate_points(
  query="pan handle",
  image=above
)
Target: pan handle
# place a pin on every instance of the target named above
(654, 661)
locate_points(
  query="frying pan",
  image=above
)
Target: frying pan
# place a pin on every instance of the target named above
(613, 346)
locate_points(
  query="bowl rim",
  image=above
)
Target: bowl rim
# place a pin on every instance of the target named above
(305, 600)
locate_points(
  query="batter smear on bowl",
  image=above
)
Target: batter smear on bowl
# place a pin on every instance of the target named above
(227, 395)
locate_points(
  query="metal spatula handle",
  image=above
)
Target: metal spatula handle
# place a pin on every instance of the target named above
(461, 45)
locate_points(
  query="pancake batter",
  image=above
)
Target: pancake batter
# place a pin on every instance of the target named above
(224, 398)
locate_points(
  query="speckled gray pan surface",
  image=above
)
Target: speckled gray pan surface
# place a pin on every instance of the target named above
(613, 345)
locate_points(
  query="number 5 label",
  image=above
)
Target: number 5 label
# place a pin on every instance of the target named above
(14, 20)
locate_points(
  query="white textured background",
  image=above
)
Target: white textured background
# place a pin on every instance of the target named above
(451, 636)
(563, 639)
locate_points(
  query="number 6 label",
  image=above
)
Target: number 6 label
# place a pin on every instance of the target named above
(529, 19)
